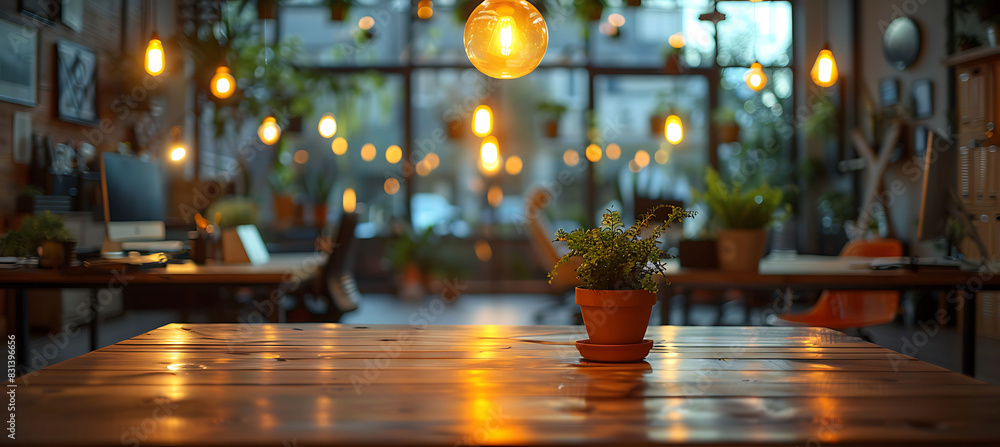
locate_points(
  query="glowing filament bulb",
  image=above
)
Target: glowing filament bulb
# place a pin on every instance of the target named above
(178, 153)
(327, 126)
(674, 129)
(505, 38)
(755, 77)
(155, 60)
(269, 131)
(350, 200)
(223, 83)
(482, 121)
(489, 154)
(824, 70)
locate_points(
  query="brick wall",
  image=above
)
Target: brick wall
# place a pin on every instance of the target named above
(104, 34)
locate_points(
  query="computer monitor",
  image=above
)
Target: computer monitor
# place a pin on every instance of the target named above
(939, 177)
(134, 202)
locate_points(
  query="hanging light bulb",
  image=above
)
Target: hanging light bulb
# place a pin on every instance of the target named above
(489, 155)
(482, 121)
(755, 77)
(350, 200)
(269, 131)
(327, 126)
(505, 39)
(155, 60)
(223, 83)
(177, 149)
(824, 71)
(425, 9)
(178, 153)
(673, 129)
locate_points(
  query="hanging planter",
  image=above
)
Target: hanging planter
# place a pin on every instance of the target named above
(267, 9)
(338, 9)
(634, 3)
(552, 113)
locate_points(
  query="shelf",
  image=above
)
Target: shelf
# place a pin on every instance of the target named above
(971, 55)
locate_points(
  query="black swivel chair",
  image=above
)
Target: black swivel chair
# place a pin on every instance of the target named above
(333, 292)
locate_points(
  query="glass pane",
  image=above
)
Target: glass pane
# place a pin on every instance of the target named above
(343, 42)
(760, 31)
(455, 196)
(645, 38)
(631, 120)
(763, 151)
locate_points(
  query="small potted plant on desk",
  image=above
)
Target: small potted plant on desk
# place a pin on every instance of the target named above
(617, 271)
(743, 216)
(43, 235)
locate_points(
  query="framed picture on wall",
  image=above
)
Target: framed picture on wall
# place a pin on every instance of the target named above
(76, 67)
(888, 92)
(923, 99)
(42, 10)
(18, 64)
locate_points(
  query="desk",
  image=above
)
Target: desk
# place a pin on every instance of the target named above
(330, 384)
(843, 273)
(285, 268)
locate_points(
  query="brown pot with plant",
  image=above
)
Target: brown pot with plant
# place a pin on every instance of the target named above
(743, 218)
(618, 269)
(551, 113)
(44, 236)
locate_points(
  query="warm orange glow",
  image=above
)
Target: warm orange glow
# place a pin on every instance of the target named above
(634, 166)
(339, 146)
(513, 165)
(482, 121)
(425, 12)
(505, 39)
(393, 154)
(223, 83)
(494, 196)
(301, 156)
(366, 23)
(755, 77)
(327, 126)
(824, 71)
(269, 131)
(350, 200)
(432, 160)
(662, 156)
(368, 152)
(677, 40)
(616, 19)
(483, 250)
(423, 168)
(593, 153)
(155, 59)
(642, 158)
(391, 185)
(570, 157)
(614, 151)
(489, 151)
(673, 129)
(178, 153)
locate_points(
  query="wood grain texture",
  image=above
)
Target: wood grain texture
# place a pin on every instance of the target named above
(329, 384)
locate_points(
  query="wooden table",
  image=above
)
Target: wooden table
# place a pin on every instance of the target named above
(845, 273)
(329, 384)
(282, 269)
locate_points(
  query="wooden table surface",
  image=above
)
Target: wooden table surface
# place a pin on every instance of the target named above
(329, 384)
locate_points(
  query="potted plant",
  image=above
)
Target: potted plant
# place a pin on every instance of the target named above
(822, 122)
(743, 217)
(659, 115)
(552, 112)
(724, 119)
(317, 186)
(43, 235)
(590, 10)
(282, 182)
(338, 9)
(967, 42)
(617, 271)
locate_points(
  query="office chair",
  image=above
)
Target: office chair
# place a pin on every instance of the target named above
(855, 309)
(333, 292)
(547, 253)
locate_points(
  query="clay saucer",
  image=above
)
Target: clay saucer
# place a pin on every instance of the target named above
(614, 353)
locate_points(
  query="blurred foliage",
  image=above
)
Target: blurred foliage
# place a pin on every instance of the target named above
(34, 230)
(732, 208)
(233, 211)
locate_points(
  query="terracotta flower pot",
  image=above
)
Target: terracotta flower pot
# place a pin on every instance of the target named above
(615, 317)
(740, 250)
(319, 215)
(552, 128)
(56, 254)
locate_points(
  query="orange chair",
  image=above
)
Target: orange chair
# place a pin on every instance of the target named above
(842, 309)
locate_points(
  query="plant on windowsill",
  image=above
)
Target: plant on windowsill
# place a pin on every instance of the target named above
(618, 269)
(552, 113)
(743, 216)
(724, 119)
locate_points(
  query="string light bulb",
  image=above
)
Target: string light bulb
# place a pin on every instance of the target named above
(824, 70)
(425, 10)
(177, 150)
(223, 83)
(505, 39)
(269, 131)
(327, 126)
(155, 59)
(755, 77)
(482, 121)
(673, 129)
(489, 155)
